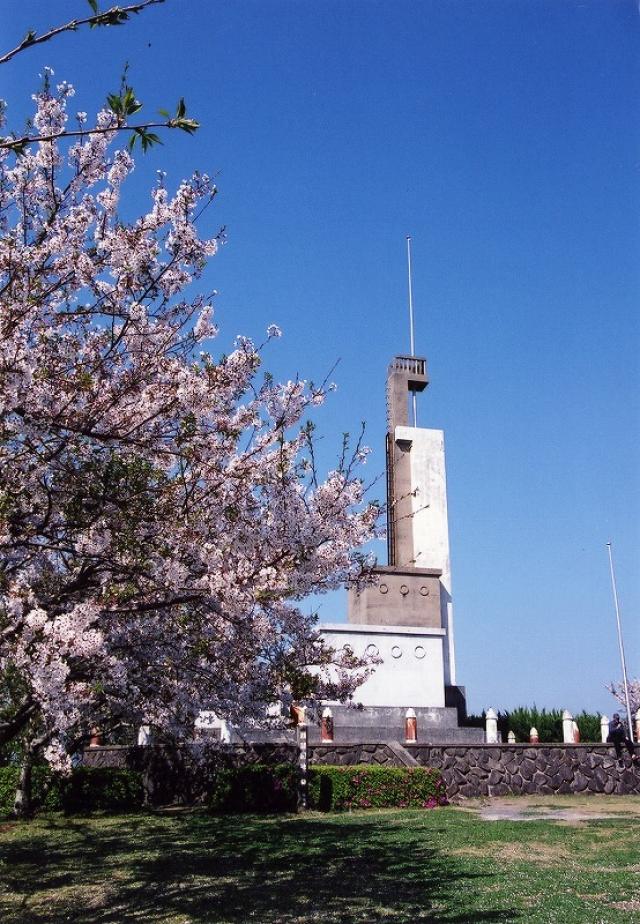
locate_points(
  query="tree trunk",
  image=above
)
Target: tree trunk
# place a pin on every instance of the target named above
(22, 803)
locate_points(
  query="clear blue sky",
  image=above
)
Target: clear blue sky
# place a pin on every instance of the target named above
(504, 136)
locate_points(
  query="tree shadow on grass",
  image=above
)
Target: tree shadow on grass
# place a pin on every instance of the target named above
(274, 870)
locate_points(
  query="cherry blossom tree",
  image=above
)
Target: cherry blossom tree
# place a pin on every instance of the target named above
(161, 518)
(617, 690)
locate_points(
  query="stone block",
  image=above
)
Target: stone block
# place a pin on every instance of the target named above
(565, 773)
(600, 777)
(527, 768)
(580, 782)
(496, 776)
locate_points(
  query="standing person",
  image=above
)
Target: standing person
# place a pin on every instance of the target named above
(618, 736)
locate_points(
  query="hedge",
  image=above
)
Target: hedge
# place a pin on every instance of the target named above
(252, 788)
(548, 723)
(337, 788)
(255, 788)
(83, 791)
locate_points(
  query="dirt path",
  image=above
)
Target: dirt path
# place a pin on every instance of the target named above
(571, 810)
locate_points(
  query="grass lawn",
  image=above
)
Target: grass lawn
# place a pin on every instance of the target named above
(447, 865)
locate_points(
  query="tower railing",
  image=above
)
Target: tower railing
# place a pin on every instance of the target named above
(414, 365)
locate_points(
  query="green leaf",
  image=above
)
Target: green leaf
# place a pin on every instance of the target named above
(182, 109)
(148, 139)
(163, 112)
(28, 39)
(186, 125)
(130, 104)
(94, 5)
(115, 103)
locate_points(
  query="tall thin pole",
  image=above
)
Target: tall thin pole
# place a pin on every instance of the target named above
(411, 331)
(620, 642)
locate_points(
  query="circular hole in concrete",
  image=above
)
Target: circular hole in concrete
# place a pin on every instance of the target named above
(396, 651)
(419, 652)
(383, 589)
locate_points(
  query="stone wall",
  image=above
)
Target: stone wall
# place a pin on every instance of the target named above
(389, 754)
(139, 758)
(502, 769)
(172, 775)
(477, 770)
(520, 769)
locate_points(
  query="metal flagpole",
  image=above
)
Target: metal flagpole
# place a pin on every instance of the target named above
(411, 333)
(620, 643)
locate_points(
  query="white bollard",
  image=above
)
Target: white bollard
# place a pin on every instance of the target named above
(533, 735)
(491, 726)
(511, 737)
(576, 732)
(567, 727)
(144, 736)
(604, 728)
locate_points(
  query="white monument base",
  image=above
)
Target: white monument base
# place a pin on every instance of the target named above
(412, 668)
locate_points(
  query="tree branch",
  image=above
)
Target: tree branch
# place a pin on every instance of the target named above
(19, 720)
(114, 16)
(11, 143)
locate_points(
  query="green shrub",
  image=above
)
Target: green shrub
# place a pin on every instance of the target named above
(366, 786)
(548, 722)
(8, 783)
(108, 789)
(255, 788)
(45, 789)
(84, 791)
(589, 725)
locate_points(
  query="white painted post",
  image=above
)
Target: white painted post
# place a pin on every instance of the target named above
(301, 733)
(511, 737)
(144, 736)
(326, 725)
(638, 725)
(567, 727)
(491, 726)
(533, 735)
(604, 728)
(576, 732)
(410, 726)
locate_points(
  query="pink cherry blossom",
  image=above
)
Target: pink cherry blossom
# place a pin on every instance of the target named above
(161, 520)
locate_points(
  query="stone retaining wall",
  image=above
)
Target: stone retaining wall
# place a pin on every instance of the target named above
(502, 769)
(519, 769)
(478, 770)
(389, 754)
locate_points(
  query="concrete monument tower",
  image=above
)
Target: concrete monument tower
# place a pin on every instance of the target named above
(406, 617)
